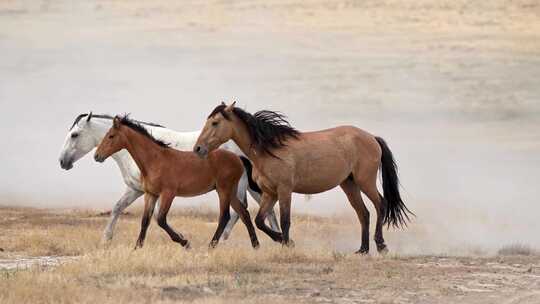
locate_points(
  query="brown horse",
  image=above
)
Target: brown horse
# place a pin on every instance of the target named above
(167, 173)
(286, 160)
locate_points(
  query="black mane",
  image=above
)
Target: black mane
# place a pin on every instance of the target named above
(105, 116)
(268, 129)
(138, 127)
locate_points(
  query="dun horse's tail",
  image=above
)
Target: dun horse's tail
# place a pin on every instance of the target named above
(396, 214)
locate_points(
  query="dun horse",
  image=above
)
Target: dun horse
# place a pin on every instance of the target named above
(167, 173)
(286, 160)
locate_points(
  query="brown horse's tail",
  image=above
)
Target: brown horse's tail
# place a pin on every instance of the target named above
(396, 214)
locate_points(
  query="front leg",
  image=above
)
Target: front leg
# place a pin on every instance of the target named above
(271, 216)
(284, 197)
(149, 204)
(129, 196)
(165, 202)
(267, 203)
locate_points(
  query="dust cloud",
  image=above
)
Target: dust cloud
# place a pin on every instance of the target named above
(456, 96)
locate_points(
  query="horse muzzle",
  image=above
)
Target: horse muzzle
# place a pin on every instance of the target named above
(201, 151)
(99, 158)
(66, 164)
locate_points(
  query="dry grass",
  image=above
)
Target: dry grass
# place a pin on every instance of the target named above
(517, 249)
(163, 272)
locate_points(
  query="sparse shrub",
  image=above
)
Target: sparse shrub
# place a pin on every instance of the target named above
(517, 249)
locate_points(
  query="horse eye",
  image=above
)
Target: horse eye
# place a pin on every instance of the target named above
(74, 135)
(215, 123)
(111, 136)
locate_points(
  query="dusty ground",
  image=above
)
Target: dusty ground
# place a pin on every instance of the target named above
(313, 272)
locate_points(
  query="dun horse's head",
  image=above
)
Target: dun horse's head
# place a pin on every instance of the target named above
(217, 130)
(113, 142)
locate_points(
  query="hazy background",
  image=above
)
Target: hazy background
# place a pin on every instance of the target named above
(453, 86)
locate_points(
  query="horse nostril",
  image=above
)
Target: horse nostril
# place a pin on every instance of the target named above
(198, 149)
(62, 162)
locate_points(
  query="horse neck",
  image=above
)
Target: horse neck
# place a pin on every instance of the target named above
(142, 149)
(243, 140)
(99, 127)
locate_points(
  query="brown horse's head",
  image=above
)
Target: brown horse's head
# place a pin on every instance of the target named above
(217, 130)
(113, 142)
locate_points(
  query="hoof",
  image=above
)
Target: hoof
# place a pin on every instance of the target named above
(213, 244)
(382, 249)
(278, 238)
(255, 245)
(187, 245)
(289, 244)
(138, 245)
(106, 243)
(363, 251)
(107, 238)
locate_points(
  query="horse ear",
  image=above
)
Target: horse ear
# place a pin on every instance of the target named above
(223, 103)
(116, 122)
(89, 116)
(230, 107)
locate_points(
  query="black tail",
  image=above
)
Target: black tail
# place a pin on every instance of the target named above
(249, 170)
(396, 213)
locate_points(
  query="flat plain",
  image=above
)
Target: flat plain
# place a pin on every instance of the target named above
(56, 256)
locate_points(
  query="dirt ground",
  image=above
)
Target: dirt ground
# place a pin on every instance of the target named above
(53, 256)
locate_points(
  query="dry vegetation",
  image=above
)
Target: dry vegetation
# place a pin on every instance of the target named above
(163, 272)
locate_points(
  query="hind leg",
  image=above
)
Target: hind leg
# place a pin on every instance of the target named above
(225, 195)
(369, 187)
(244, 215)
(352, 191)
(164, 206)
(242, 197)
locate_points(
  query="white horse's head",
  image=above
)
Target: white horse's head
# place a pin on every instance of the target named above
(79, 141)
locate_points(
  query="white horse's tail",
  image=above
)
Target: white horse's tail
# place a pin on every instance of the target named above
(249, 171)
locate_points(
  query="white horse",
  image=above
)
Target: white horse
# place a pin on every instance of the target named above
(87, 132)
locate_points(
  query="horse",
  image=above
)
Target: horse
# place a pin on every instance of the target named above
(286, 160)
(167, 173)
(88, 130)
